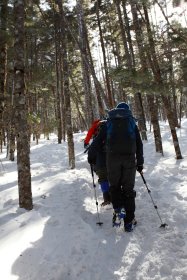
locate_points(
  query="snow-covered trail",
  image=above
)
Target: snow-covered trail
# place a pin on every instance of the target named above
(60, 240)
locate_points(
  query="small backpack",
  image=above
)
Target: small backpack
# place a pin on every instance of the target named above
(121, 135)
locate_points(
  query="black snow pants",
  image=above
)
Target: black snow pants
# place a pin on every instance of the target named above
(121, 171)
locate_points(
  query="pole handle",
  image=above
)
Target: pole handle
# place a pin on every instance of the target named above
(87, 149)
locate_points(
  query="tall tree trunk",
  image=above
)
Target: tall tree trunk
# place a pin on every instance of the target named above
(129, 54)
(153, 109)
(140, 115)
(158, 78)
(11, 136)
(69, 130)
(144, 66)
(123, 35)
(57, 68)
(184, 75)
(108, 86)
(85, 69)
(98, 87)
(120, 93)
(3, 61)
(22, 130)
(171, 72)
(172, 86)
(78, 102)
(10, 124)
(138, 96)
(127, 28)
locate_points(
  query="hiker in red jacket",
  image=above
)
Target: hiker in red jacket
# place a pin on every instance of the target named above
(99, 165)
(92, 132)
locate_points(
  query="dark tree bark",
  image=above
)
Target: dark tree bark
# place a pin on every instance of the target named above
(85, 69)
(3, 62)
(140, 115)
(153, 109)
(66, 91)
(21, 125)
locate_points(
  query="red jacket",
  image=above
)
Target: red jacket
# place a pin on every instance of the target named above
(92, 131)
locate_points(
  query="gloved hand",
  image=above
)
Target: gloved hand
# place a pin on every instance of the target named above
(139, 168)
(86, 145)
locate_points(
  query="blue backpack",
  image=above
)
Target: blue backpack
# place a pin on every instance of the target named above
(121, 135)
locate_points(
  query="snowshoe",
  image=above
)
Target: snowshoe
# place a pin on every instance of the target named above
(118, 216)
(130, 226)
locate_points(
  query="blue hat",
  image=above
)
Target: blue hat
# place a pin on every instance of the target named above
(123, 105)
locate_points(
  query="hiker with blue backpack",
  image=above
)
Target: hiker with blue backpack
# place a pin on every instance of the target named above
(124, 155)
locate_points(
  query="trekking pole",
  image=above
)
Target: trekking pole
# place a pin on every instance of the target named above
(94, 186)
(155, 206)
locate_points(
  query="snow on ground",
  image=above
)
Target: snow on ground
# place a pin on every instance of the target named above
(60, 239)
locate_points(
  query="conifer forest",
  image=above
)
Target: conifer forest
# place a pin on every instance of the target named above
(64, 64)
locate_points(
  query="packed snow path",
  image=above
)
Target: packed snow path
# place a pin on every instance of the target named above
(60, 240)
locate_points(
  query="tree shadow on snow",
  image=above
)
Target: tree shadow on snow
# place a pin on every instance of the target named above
(72, 245)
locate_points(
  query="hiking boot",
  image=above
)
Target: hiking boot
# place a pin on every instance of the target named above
(130, 226)
(106, 197)
(104, 203)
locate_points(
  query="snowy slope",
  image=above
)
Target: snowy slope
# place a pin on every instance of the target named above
(60, 240)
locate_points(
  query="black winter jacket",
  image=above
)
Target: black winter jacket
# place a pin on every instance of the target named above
(98, 157)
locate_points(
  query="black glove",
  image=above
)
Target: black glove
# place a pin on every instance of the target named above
(86, 145)
(139, 168)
